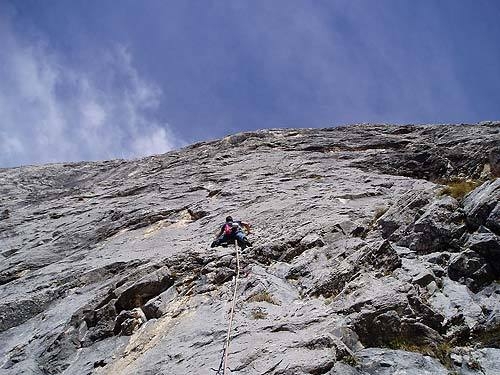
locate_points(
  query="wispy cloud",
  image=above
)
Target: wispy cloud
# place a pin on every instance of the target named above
(51, 111)
(355, 62)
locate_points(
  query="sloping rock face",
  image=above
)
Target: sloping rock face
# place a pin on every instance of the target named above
(360, 264)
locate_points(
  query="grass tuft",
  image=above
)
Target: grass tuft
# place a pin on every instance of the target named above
(263, 296)
(350, 360)
(440, 351)
(459, 188)
(258, 314)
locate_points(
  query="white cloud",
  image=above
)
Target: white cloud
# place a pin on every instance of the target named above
(153, 142)
(11, 145)
(94, 114)
(51, 111)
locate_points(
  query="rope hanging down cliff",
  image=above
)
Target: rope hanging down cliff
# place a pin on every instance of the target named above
(225, 350)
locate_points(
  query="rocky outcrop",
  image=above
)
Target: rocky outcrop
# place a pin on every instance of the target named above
(362, 263)
(439, 228)
(482, 206)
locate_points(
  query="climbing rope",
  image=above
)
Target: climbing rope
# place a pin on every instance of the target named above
(225, 351)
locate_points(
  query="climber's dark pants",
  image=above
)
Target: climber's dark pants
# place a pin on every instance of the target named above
(238, 236)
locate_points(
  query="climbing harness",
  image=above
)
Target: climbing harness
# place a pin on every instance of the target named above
(225, 350)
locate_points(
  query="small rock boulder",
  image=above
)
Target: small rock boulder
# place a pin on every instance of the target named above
(437, 229)
(129, 321)
(101, 323)
(471, 269)
(424, 278)
(311, 240)
(488, 246)
(402, 214)
(158, 306)
(223, 274)
(493, 220)
(381, 256)
(480, 203)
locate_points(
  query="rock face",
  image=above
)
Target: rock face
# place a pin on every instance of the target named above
(360, 264)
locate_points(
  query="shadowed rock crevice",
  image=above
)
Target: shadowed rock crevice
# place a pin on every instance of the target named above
(143, 290)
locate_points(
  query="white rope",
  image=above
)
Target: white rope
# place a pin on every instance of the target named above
(231, 314)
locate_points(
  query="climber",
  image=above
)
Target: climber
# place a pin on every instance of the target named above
(230, 231)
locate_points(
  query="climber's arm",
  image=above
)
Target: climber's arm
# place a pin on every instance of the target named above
(219, 232)
(246, 226)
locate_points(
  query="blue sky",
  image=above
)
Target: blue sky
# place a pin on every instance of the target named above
(88, 80)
